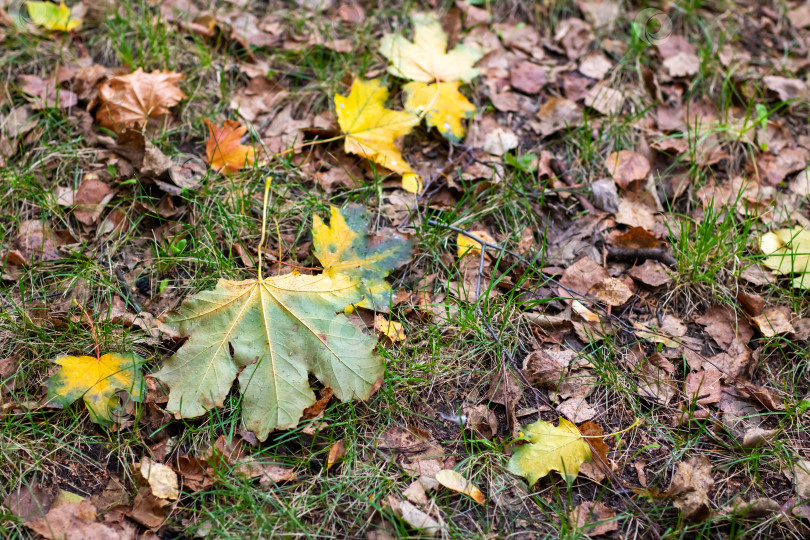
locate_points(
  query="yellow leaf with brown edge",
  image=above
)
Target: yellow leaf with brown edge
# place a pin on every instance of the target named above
(371, 130)
(224, 148)
(467, 245)
(455, 481)
(51, 16)
(97, 381)
(549, 448)
(427, 59)
(271, 333)
(442, 106)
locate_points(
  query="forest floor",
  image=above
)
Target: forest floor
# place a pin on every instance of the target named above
(631, 171)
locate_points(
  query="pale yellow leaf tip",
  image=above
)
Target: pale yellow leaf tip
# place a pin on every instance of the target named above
(455, 481)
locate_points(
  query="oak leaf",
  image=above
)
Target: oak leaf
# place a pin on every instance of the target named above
(49, 15)
(426, 59)
(97, 381)
(371, 130)
(558, 448)
(270, 333)
(131, 100)
(442, 105)
(224, 148)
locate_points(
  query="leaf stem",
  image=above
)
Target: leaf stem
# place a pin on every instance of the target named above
(264, 224)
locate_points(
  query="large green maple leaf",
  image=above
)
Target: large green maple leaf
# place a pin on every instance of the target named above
(270, 333)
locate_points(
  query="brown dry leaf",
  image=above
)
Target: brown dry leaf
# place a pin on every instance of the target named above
(481, 420)
(131, 100)
(31, 499)
(259, 97)
(575, 36)
(682, 64)
(627, 167)
(636, 211)
(336, 453)
(528, 77)
(46, 94)
(147, 509)
(787, 162)
(651, 273)
(79, 521)
(605, 99)
(415, 517)
(582, 276)
(601, 467)
(612, 291)
(723, 325)
(577, 409)
(91, 198)
(196, 473)
(704, 387)
(224, 148)
(594, 519)
(595, 66)
(773, 322)
(690, 488)
(787, 89)
(557, 114)
(655, 379)
(416, 493)
(667, 332)
(37, 242)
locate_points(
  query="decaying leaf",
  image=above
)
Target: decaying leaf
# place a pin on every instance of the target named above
(558, 448)
(345, 248)
(426, 58)
(690, 487)
(788, 252)
(271, 332)
(51, 16)
(455, 481)
(224, 148)
(97, 381)
(131, 100)
(442, 105)
(371, 130)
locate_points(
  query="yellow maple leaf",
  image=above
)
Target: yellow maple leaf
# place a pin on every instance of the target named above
(442, 105)
(370, 129)
(49, 15)
(550, 448)
(97, 381)
(426, 58)
(788, 252)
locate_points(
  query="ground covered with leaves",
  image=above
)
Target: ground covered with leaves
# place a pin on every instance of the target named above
(338, 269)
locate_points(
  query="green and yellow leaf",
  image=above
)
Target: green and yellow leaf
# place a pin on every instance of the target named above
(426, 59)
(370, 129)
(788, 252)
(550, 448)
(442, 105)
(344, 247)
(97, 381)
(270, 333)
(51, 16)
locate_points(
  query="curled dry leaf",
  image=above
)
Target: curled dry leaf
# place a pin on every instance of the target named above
(455, 481)
(336, 453)
(224, 148)
(690, 487)
(131, 100)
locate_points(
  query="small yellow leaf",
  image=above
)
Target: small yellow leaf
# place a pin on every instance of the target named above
(468, 245)
(370, 129)
(550, 448)
(411, 182)
(426, 58)
(453, 480)
(336, 453)
(390, 329)
(162, 479)
(442, 105)
(788, 252)
(97, 381)
(53, 17)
